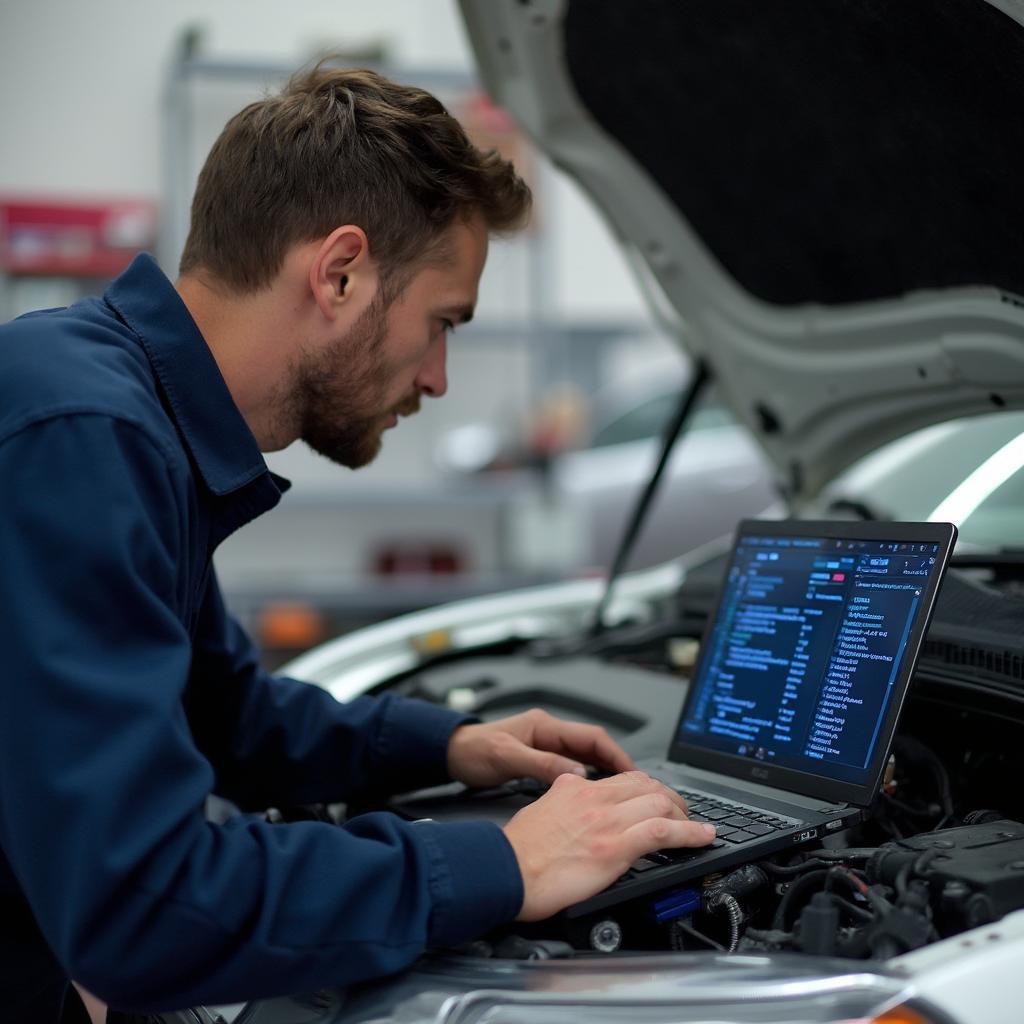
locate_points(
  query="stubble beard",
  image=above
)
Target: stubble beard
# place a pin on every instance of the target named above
(338, 395)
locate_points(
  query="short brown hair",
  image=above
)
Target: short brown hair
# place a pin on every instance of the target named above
(341, 147)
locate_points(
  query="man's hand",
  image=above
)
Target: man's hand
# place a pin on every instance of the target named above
(97, 1011)
(534, 744)
(580, 836)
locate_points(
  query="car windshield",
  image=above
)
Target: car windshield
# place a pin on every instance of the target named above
(651, 416)
(968, 471)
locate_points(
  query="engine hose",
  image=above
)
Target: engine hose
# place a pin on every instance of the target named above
(803, 885)
(735, 912)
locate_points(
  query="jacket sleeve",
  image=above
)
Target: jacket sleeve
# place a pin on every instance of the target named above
(274, 741)
(102, 785)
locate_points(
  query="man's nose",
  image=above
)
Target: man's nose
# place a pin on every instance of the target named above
(432, 379)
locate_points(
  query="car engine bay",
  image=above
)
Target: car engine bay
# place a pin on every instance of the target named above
(939, 852)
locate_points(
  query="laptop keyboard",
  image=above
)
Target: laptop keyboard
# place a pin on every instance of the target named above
(733, 822)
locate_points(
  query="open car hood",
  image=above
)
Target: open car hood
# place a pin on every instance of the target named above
(826, 197)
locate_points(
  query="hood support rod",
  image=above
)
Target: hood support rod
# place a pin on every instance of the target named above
(673, 430)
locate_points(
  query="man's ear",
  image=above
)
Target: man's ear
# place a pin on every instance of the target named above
(341, 269)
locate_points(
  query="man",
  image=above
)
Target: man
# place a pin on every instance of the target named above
(338, 235)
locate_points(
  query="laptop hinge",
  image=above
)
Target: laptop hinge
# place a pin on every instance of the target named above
(744, 790)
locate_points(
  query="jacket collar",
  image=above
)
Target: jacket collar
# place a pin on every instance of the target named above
(219, 439)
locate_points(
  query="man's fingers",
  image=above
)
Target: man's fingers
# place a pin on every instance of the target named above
(659, 833)
(587, 743)
(638, 783)
(543, 765)
(645, 808)
(551, 766)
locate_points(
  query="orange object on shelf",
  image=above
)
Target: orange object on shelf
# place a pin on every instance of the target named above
(292, 626)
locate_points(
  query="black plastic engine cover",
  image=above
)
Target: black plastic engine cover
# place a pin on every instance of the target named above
(975, 873)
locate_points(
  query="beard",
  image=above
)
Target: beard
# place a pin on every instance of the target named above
(339, 395)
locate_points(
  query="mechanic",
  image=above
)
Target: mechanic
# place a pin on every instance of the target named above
(339, 231)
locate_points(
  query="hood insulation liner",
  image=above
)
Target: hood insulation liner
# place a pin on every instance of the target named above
(829, 151)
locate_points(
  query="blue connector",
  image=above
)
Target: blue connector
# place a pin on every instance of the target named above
(676, 904)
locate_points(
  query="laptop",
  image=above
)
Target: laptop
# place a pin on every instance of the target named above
(788, 721)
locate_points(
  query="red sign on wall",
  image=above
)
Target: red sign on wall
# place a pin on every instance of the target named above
(70, 239)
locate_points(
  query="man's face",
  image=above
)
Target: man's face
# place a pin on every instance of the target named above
(346, 394)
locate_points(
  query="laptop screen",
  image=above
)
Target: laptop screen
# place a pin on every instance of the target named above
(801, 667)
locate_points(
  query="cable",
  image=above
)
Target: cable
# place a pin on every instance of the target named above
(854, 879)
(821, 858)
(798, 888)
(863, 913)
(676, 940)
(731, 906)
(917, 867)
(790, 870)
(850, 853)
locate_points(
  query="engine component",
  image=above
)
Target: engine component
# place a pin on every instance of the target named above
(676, 904)
(741, 882)
(819, 925)
(730, 905)
(974, 874)
(606, 936)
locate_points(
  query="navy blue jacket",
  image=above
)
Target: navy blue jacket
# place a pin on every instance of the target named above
(128, 694)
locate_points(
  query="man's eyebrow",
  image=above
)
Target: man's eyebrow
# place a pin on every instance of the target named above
(462, 313)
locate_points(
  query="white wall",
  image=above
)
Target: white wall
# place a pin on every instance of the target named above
(81, 80)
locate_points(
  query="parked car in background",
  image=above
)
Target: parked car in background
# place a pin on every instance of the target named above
(592, 471)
